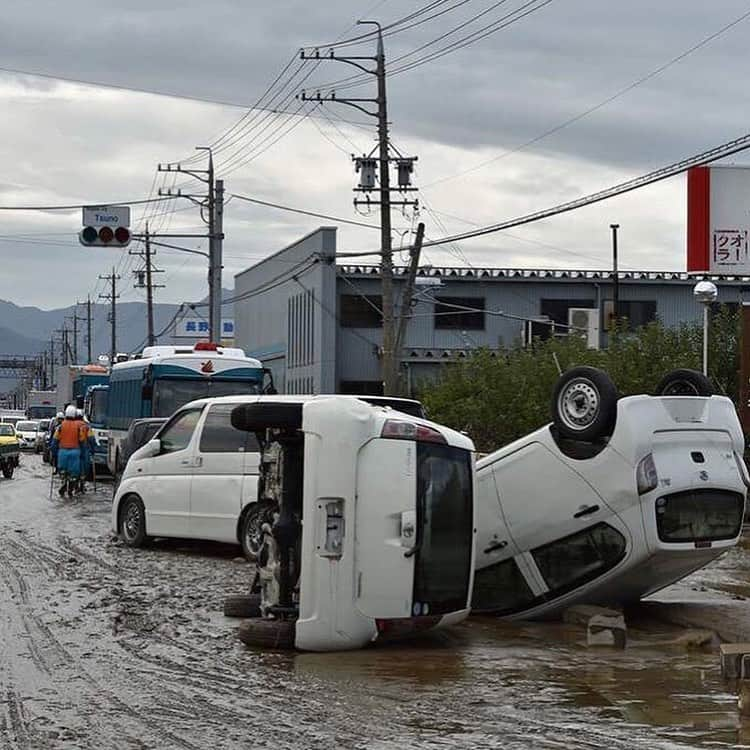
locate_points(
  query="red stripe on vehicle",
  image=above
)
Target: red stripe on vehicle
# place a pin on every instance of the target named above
(699, 214)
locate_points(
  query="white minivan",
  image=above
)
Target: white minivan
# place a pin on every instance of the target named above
(363, 515)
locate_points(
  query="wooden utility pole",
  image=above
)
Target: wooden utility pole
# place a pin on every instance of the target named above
(112, 297)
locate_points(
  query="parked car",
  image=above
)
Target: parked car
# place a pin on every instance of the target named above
(211, 474)
(614, 500)
(41, 435)
(139, 433)
(9, 450)
(26, 430)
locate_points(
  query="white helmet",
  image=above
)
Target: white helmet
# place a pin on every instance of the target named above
(59, 415)
(79, 413)
(70, 412)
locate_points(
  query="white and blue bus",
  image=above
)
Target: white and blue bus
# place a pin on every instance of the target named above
(165, 378)
(95, 410)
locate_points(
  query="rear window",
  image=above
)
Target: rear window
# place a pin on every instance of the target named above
(570, 562)
(219, 436)
(699, 516)
(501, 589)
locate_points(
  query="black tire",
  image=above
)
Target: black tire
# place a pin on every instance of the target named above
(250, 536)
(8, 470)
(584, 404)
(242, 606)
(684, 383)
(260, 417)
(265, 633)
(132, 522)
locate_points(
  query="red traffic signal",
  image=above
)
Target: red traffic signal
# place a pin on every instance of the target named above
(104, 236)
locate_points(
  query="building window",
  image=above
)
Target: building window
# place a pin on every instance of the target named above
(361, 311)
(557, 309)
(448, 314)
(637, 312)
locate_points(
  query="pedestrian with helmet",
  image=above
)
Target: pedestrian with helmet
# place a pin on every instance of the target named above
(67, 443)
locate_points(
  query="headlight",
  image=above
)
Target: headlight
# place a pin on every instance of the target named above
(645, 475)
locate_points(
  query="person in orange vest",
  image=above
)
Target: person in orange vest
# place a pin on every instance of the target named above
(68, 438)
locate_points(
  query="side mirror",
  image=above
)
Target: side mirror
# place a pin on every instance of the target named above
(152, 448)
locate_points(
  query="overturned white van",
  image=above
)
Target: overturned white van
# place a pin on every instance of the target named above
(655, 490)
(364, 523)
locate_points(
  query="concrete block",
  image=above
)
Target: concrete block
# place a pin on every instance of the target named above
(580, 614)
(731, 656)
(606, 630)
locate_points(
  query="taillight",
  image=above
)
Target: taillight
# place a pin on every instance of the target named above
(205, 346)
(399, 430)
(645, 475)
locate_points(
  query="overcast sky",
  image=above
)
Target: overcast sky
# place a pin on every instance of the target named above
(63, 142)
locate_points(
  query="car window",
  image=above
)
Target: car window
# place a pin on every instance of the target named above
(219, 436)
(176, 435)
(6, 430)
(572, 561)
(501, 589)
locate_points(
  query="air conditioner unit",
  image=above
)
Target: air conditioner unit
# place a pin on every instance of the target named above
(584, 322)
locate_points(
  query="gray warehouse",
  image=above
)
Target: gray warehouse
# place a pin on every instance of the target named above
(317, 324)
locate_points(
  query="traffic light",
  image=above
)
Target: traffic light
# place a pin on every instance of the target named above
(104, 236)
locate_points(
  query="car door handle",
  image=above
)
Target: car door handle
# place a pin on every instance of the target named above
(586, 511)
(496, 545)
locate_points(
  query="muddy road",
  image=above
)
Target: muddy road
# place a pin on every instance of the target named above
(105, 647)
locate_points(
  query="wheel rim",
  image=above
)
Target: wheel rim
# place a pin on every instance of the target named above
(254, 530)
(680, 388)
(578, 404)
(131, 523)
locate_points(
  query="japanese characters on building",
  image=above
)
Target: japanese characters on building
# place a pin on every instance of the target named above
(198, 328)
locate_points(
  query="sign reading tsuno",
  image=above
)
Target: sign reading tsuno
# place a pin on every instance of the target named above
(719, 220)
(105, 226)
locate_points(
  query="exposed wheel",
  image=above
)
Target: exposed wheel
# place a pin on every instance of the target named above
(251, 534)
(266, 633)
(133, 522)
(684, 383)
(584, 404)
(242, 606)
(8, 470)
(260, 417)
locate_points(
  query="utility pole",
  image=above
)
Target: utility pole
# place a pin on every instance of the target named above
(75, 318)
(112, 297)
(214, 219)
(366, 165)
(87, 318)
(615, 276)
(144, 280)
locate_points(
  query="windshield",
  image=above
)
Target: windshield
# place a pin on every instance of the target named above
(10, 420)
(170, 395)
(445, 517)
(43, 425)
(6, 430)
(26, 426)
(96, 406)
(35, 412)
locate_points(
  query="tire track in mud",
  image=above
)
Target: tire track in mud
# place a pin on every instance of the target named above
(52, 659)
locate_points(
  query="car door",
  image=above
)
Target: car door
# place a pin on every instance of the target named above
(167, 489)
(224, 456)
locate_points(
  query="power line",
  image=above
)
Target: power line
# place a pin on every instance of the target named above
(74, 206)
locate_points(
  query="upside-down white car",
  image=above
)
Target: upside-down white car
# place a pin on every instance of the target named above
(614, 500)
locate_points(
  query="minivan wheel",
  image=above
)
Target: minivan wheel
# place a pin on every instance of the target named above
(133, 522)
(584, 404)
(267, 633)
(251, 530)
(684, 382)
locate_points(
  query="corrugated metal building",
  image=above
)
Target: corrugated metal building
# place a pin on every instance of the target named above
(317, 324)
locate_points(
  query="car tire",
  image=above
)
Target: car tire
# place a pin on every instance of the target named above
(253, 519)
(260, 417)
(8, 470)
(261, 632)
(584, 404)
(684, 382)
(132, 521)
(242, 606)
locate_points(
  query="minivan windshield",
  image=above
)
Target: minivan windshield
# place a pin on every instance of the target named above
(26, 426)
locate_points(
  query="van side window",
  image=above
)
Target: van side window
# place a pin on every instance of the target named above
(219, 436)
(574, 560)
(176, 435)
(500, 589)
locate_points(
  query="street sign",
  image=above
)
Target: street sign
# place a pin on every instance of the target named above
(105, 226)
(191, 328)
(109, 216)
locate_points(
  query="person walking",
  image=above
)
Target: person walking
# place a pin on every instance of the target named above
(67, 446)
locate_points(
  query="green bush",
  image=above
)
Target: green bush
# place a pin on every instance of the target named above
(497, 397)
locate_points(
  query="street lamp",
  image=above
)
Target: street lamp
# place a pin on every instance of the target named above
(706, 293)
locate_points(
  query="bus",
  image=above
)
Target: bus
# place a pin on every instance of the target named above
(164, 378)
(41, 404)
(95, 410)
